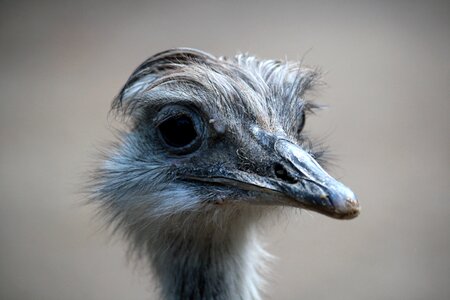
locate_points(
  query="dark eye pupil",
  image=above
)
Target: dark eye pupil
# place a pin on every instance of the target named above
(178, 131)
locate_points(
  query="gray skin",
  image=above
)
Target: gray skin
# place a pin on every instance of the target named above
(192, 209)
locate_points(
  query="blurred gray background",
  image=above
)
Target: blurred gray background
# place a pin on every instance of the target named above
(388, 73)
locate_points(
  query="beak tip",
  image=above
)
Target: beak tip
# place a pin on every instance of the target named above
(350, 208)
(345, 203)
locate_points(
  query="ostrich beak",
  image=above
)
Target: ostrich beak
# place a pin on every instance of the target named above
(293, 178)
(310, 186)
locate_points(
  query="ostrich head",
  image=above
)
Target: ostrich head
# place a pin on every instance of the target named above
(212, 145)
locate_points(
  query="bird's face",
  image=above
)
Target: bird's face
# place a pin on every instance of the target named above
(209, 133)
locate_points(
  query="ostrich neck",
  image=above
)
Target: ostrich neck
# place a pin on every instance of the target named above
(208, 261)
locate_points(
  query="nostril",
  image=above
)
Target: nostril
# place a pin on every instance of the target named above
(283, 174)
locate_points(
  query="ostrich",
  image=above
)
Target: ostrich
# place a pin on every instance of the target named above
(212, 147)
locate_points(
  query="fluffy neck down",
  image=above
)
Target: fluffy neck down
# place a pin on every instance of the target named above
(207, 255)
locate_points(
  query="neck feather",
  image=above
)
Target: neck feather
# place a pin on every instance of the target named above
(208, 255)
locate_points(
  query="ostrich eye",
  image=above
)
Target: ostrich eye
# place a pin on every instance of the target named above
(301, 122)
(178, 131)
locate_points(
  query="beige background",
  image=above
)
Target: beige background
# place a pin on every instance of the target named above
(388, 74)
